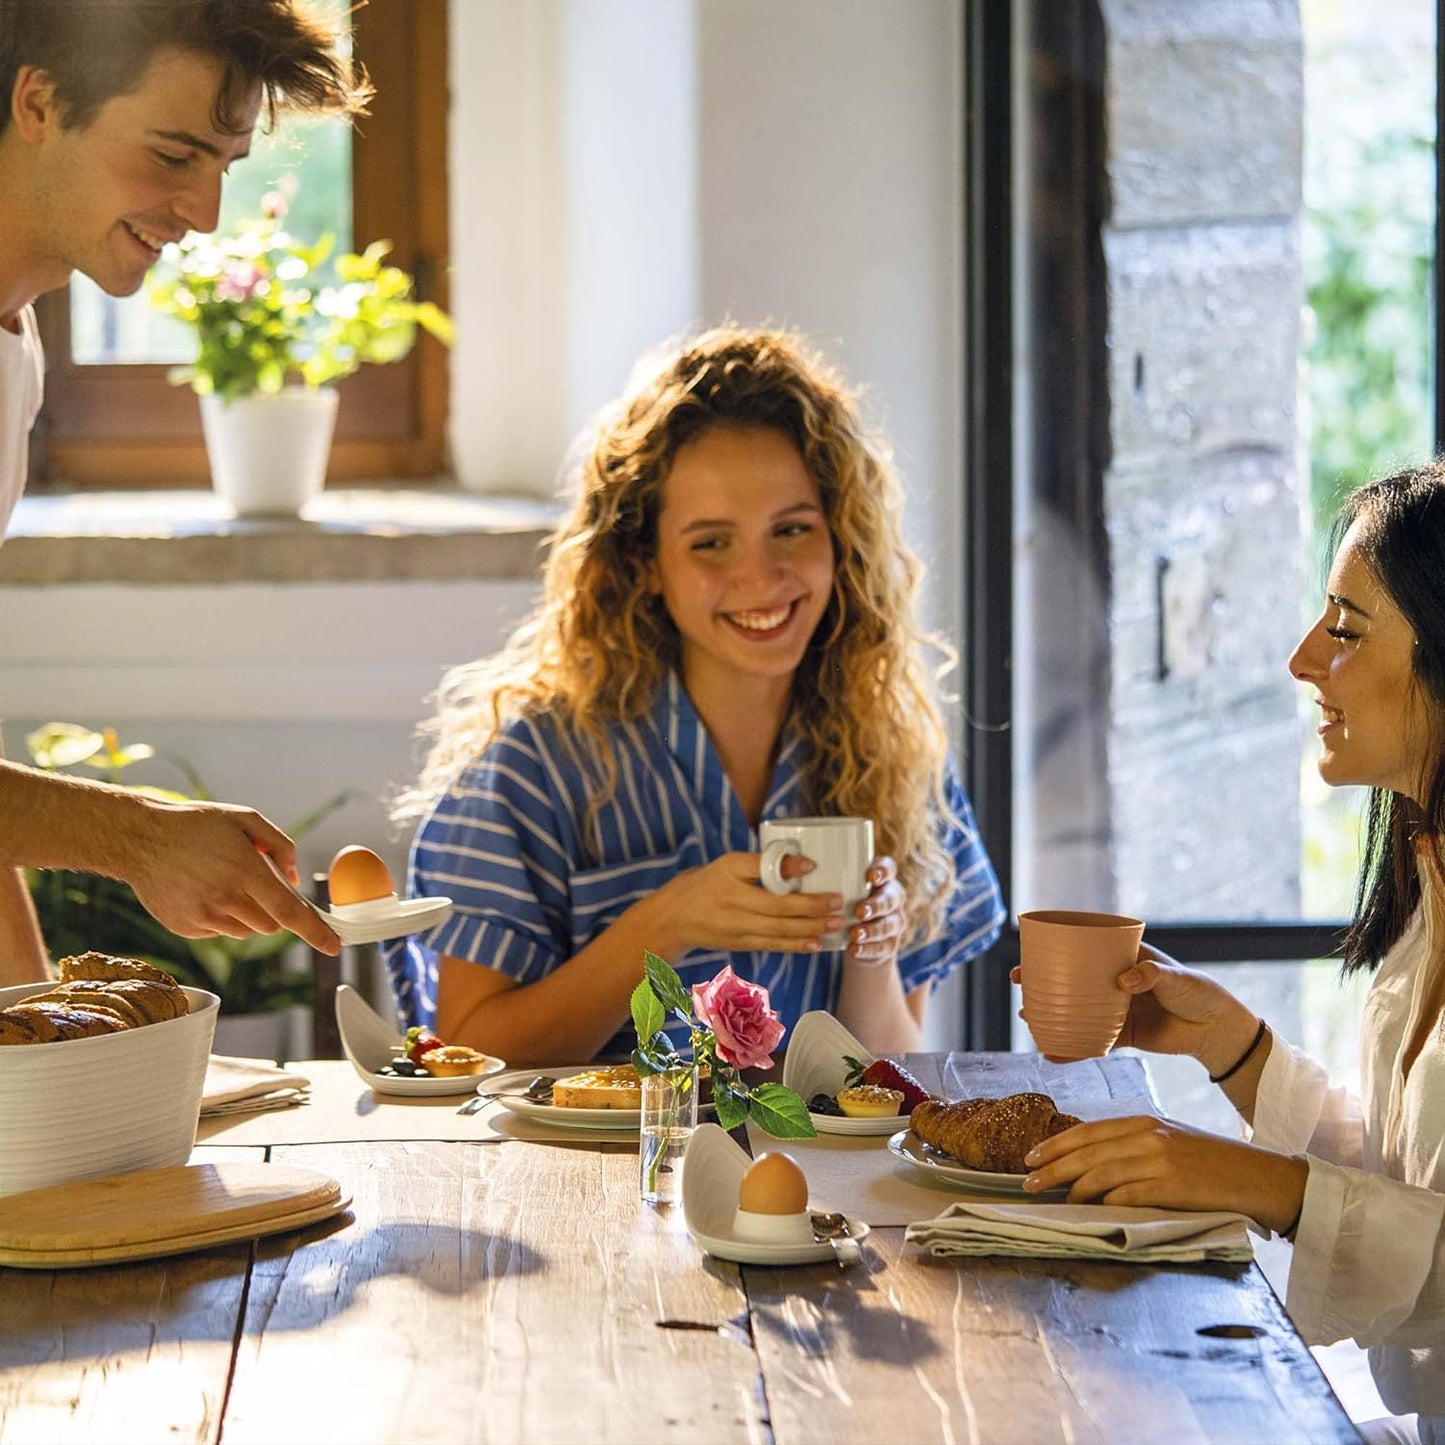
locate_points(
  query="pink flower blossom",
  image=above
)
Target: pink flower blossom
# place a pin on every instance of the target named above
(238, 281)
(741, 1017)
(273, 204)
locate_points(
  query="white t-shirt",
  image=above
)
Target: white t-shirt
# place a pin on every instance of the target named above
(1369, 1257)
(22, 389)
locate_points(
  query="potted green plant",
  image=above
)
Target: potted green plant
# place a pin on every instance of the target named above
(272, 340)
(83, 911)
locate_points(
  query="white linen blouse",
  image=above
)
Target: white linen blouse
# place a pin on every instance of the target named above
(1369, 1256)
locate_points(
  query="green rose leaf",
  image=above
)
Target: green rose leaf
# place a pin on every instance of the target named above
(732, 1108)
(648, 1015)
(663, 979)
(780, 1112)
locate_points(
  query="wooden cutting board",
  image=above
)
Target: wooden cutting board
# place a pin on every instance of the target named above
(160, 1211)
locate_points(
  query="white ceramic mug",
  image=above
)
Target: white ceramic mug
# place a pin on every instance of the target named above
(840, 849)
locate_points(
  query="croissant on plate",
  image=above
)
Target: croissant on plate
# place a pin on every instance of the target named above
(990, 1134)
(97, 995)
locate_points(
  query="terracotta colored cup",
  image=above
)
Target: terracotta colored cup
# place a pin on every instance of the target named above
(1069, 965)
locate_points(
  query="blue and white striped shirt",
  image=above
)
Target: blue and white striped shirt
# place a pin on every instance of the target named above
(505, 842)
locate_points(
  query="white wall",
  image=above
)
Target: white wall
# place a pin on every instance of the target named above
(830, 201)
(281, 697)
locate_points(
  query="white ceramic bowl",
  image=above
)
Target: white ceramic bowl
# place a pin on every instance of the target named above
(84, 1108)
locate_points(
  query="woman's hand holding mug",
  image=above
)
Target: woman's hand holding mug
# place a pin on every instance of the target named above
(841, 851)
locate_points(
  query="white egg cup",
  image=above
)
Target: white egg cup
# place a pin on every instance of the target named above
(382, 907)
(773, 1228)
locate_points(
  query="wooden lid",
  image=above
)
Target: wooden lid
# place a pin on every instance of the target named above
(160, 1211)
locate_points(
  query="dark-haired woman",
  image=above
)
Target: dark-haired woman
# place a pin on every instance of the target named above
(1358, 1183)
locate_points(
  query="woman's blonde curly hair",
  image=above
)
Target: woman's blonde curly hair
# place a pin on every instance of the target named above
(599, 645)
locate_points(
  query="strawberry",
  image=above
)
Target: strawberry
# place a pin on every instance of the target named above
(419, 1043)
(885, 1074)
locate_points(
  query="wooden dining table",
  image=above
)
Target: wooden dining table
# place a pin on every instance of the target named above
(518, 1290)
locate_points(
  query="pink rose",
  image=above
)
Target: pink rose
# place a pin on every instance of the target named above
(741, 1017)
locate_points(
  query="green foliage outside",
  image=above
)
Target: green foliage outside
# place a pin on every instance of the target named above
(1368, 243)
(1368, 237)
(79, 912)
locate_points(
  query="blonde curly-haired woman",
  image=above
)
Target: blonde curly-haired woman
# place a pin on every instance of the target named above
(727, 633)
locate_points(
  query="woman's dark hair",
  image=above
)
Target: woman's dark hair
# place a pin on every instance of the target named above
(95, 50)
(1401, 537)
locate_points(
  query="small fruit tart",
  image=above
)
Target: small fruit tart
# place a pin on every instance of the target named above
(449, 1060)
(869, 1101)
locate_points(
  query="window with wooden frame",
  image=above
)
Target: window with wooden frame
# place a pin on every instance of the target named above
(124, 425)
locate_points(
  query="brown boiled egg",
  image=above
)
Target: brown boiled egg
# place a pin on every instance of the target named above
(773, 1184)
(358, 875)
(773, 1203)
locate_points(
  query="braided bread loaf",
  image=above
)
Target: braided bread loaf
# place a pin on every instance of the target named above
(990, 1134)
(97, 995)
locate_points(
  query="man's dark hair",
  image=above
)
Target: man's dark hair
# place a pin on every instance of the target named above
(94, 50)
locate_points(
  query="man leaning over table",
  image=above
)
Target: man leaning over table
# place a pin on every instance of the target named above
(121, 120)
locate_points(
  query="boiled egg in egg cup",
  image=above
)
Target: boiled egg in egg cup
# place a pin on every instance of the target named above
(359, 883)
(773, 1202)
(712, 1176)
(365, 907)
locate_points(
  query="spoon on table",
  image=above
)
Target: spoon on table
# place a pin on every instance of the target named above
(832, 1228)
(539, 1091)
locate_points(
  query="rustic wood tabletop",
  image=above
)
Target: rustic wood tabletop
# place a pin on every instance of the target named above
(519, 1291)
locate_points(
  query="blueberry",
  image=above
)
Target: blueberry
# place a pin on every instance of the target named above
(824, 1104)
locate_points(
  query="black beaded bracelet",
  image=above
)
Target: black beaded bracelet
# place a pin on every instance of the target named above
(1244, 1058)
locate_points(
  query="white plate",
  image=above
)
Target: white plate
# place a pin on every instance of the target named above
(946, 1172)
(842, 1124)
(384, 918)
(368, 1042)
(554, 1114)
(712, 1170)
(816, 1064)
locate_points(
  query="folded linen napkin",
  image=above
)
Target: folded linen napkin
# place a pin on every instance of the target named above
(246, 1086)
(1084, 1231)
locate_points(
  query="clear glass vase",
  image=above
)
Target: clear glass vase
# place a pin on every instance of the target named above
(669, 1116)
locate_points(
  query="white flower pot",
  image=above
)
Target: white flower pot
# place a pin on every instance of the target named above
(268, 454)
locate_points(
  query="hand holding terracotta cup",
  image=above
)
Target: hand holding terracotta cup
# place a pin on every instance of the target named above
(1069, 966)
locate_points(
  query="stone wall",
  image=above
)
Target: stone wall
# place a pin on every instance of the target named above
(1203, 105)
